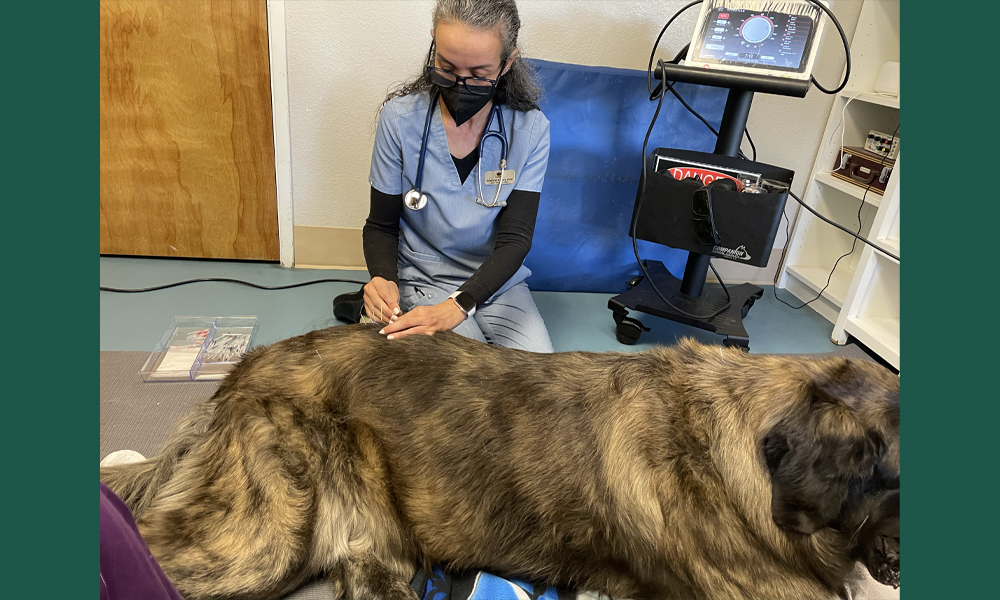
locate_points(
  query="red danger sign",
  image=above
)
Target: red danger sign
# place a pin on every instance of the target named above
(706, 176)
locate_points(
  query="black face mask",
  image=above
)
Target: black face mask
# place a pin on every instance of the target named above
(462, 104)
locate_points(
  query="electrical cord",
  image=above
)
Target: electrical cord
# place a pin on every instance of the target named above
(854, 243)
(652, 54)
(843, 119)
(829, 277)
(670, 86)
(225, 280)
(847, 51)
(844, 229)
(820, 5)
(664, 84)
(635, 247)
(653, 95)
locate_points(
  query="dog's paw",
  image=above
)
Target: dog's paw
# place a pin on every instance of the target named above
(122, 457)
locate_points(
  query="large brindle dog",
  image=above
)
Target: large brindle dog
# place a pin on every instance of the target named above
(681, 472)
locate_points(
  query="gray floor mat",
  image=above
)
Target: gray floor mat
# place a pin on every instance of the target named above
(136, 415)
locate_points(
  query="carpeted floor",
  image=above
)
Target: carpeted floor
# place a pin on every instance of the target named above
(136, 415)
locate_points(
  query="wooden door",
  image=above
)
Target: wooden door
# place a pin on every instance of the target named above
(187, 149)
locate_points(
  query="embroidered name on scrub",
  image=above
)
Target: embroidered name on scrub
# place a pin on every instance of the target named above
(493, 177)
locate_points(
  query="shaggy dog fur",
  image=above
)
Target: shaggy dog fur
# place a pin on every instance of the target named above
(681, 472)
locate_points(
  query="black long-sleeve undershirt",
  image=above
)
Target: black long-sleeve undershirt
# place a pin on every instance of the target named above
(515, 227)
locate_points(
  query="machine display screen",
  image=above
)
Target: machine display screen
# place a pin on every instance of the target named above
(767, 39)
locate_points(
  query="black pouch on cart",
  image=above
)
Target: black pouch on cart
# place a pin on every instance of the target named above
(746, 222)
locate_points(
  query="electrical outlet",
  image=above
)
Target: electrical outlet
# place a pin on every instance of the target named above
(882, 144)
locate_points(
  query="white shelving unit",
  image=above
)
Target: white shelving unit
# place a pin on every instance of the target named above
(860, 297)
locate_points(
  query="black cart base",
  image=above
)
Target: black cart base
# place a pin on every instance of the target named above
(641, 297)
(697, 297)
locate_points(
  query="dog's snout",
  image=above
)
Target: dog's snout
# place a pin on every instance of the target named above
(885, 478)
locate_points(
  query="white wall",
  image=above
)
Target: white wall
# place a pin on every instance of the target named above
(343, 56)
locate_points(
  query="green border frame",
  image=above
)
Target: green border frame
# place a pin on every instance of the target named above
(51, 413)
(950, 109)
(51, 404)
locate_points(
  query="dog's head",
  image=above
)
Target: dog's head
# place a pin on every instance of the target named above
(834, 462)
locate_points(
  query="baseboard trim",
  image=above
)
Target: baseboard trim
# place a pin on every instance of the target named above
(329, 248)
(736, 273)
(341, 248)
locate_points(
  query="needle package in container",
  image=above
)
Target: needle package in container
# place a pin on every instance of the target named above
(199, 348)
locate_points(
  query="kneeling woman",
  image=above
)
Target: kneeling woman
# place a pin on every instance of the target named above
(457, 170)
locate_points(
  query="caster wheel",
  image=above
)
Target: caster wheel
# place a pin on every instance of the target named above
(628, 331)
(746, 308)
(742, 344)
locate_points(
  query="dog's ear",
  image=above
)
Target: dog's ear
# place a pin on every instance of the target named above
(812, 455)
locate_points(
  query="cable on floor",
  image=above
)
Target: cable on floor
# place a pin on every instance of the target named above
(226, 280)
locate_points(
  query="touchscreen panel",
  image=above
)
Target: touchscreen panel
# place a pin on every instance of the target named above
(774, 40)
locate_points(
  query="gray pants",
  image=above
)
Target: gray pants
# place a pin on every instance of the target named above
(510, 319)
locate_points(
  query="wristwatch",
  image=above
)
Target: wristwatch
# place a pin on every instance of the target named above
(465, 302)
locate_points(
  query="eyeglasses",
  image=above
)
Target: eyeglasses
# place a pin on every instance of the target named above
(704, 216)
(475, 85)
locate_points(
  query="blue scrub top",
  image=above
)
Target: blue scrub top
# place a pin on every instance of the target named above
(448, 239)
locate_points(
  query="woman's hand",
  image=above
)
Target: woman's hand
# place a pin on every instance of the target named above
(426, 319)
(382, 300)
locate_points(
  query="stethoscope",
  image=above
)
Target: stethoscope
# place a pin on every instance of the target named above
(415, 199)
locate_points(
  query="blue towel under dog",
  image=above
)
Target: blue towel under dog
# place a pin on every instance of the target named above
(478, 585)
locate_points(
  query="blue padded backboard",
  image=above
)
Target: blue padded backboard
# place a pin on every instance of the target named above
(599, 116)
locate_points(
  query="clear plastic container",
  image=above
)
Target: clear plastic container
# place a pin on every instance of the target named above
(199, 348)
